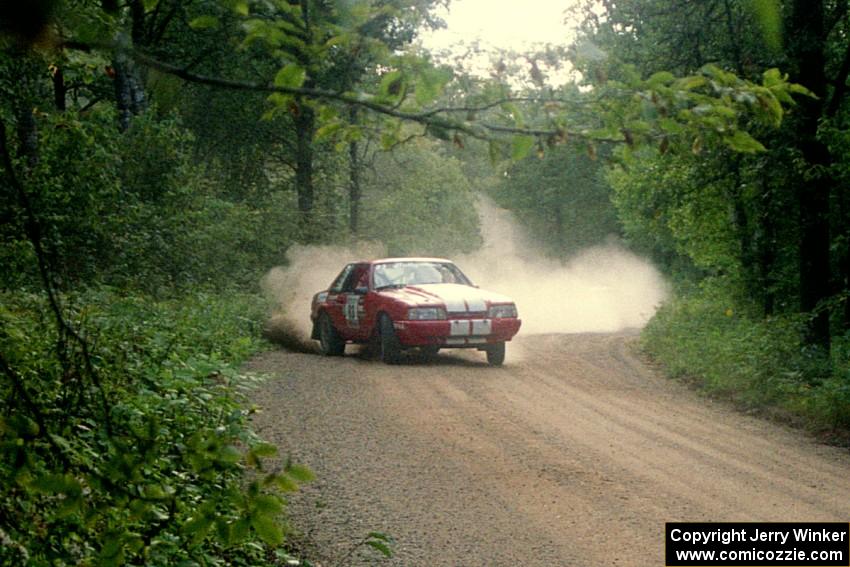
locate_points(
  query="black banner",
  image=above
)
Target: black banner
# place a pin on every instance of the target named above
(745, 544)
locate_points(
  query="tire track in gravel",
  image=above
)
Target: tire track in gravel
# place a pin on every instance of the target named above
(573, 453)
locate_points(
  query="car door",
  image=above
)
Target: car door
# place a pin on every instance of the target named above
(351, 299)
(335, 302)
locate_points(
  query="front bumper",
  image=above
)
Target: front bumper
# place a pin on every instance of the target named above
(456, 333)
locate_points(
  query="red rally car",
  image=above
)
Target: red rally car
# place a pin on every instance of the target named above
(411, 302)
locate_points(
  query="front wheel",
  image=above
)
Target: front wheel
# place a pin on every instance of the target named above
(496, 354)
(330, 342)
(390, 346)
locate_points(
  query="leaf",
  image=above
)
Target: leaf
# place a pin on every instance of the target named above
(388, 140)
(328, 114)
(380, 546)
(291, 76)
(391, 83)
(267, 529)
(660, 78)
(300, 473)
(268, 504)
(742, 142)
(156, 492)
(773, 77)
(329, 130)
(239, 531)
(690, 83)
(381, 536)
(56, 484)
(430, 85)
(281, 103)
(771, 106)
(670, 125)
(521, 146)
(204, 22)
(800, 89)
(228, 454)
(241, 7)
(285, 483)
(264, 450)
(112, 551)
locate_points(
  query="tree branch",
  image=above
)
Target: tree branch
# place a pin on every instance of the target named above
(428, 118)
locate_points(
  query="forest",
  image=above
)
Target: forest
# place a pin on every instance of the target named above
(160, 156)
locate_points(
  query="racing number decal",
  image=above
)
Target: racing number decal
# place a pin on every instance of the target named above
(351, 310)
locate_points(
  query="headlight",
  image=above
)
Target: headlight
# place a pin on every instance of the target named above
(426, 313)
(502, 311)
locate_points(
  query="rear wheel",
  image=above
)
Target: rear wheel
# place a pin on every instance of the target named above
(330, 341)
(390, 346)
(496, 354)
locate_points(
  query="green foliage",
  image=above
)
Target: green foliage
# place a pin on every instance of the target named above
(729, 351)
(419, 202)
(768, 15)
(561, 198)
(134, 210)
(380, 542)
(154, 474)
(673, 210)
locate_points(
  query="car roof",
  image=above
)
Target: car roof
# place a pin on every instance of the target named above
(410, 259)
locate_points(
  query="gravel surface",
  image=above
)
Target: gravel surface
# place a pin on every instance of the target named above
(573, 453)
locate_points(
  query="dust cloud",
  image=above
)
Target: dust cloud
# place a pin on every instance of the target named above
(290, 288)
(605, 288)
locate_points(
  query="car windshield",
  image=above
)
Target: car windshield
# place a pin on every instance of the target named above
(399, 274)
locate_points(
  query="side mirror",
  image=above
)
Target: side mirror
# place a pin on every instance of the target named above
(361, 290)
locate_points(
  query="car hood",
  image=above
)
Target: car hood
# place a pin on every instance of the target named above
(456, 298)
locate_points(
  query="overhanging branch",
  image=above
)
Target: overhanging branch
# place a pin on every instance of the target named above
(430, 117)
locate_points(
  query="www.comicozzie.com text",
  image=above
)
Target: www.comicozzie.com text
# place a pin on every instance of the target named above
(726, 536)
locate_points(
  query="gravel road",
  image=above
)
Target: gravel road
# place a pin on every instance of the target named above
(573, 453)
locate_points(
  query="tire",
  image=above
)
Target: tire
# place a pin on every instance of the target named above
(330, 343)
(388, 341)
(496, 354)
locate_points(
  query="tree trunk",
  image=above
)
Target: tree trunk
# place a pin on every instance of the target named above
(305, 126)
(765, 249)
(354, 191)
(129, 92)
(558, 211)
(806, 50)
(24, 104)
(27, 131)
(844, 258)
(129, 89)
(60, 91)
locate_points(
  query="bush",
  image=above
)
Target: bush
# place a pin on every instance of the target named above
(135, 211)
(135, 448)
(757, 362)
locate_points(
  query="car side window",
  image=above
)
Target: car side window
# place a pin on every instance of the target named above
(354, 277)
(337, 286)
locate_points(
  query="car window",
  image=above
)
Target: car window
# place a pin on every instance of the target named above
(357, 275)
(336, 287)
(417, 273)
